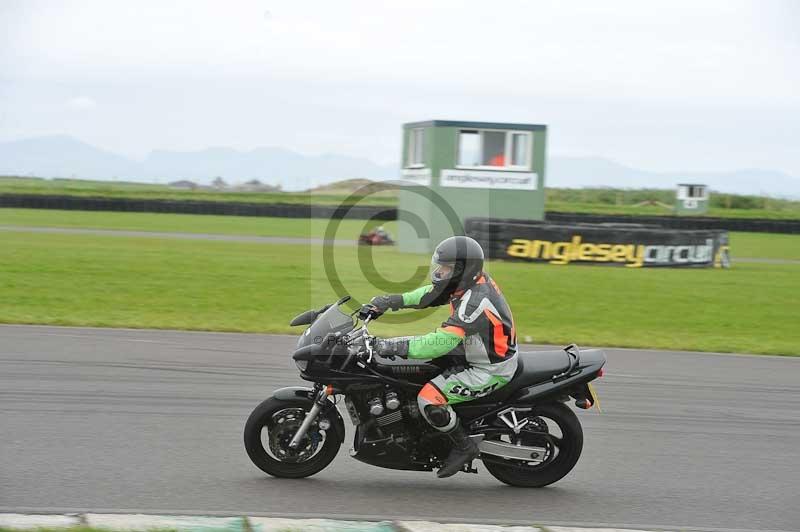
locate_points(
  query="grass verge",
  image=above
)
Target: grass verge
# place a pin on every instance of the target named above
(765, 246)
(760, 245)
(185, 223)
(227, 286)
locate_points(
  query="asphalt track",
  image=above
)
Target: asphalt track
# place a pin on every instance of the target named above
(151, 421)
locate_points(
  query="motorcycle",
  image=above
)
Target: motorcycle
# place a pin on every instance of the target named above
(375, 239)
(526, 434)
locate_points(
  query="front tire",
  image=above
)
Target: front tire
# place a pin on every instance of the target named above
(280, 462)
(570, 445)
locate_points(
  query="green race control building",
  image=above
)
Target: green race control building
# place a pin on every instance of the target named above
(454, 170)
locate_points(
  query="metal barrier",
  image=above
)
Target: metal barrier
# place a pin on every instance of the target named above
(231, 208)
(366, 212)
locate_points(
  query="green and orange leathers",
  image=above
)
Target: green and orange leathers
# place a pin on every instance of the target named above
(437, 343)
(480, 327)
(480, 338)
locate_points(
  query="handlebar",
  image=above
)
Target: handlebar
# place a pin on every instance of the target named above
(355, 353)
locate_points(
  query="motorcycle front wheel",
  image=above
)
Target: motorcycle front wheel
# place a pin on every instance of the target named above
(554, 427)
(270, 428)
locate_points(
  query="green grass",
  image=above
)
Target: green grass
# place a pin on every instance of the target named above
(759, 245)
(185, 223)
(225, 286)
(765, 246)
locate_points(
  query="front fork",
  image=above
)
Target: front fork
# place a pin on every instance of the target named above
(321, 394)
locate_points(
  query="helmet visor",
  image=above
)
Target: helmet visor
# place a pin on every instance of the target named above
(441, 271)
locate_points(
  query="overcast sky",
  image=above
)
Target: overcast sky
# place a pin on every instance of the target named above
(696, 85)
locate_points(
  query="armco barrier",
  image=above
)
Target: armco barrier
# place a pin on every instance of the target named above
(362, 212)
(280, 210)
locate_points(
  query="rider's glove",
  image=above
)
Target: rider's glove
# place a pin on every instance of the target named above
(392, 347)
(380, 304)
(368, 311)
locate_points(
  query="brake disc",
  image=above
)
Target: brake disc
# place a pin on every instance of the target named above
(285, 424)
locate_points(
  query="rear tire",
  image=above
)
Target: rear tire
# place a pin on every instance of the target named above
(262, 417)
(568, 452)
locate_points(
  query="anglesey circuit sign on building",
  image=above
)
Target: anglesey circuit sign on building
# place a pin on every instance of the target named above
(489, 179)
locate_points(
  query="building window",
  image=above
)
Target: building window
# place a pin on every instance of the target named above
(493, 149)
(694, 191)
(520, 146)
(469, 148)
(416, 143)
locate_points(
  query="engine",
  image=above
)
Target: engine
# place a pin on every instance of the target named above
(390, 431)
(382, 413)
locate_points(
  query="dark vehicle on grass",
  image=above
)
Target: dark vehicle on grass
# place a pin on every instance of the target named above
(526, 434)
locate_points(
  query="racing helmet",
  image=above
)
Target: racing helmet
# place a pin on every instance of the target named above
(457, 263)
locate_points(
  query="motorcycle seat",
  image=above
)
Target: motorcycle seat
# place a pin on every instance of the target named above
(533, 367)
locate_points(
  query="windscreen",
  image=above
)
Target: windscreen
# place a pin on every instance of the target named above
(332, 320)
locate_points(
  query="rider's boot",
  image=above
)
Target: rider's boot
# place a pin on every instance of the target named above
(464, 450)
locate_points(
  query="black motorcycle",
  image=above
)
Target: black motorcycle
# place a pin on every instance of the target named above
(527, 436)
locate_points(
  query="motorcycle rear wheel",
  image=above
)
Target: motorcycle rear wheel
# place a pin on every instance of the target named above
(264, 416)
(569, 445)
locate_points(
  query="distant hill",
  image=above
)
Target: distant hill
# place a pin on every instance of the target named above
(278, 166)
(64, 156)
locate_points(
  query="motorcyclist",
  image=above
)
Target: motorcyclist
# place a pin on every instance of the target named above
(479, 337)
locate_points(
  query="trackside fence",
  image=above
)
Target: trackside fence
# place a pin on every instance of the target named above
(367, 212)
(230, 208)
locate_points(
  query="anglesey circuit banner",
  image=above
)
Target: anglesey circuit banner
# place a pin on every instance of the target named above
(612, 244)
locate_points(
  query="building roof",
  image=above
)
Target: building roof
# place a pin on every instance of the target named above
(476, 125)
(692, 185)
